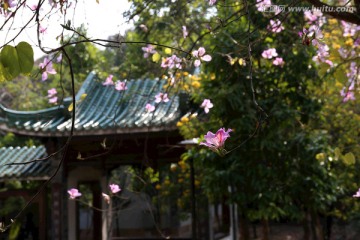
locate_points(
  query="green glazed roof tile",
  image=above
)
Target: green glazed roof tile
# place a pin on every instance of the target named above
(23, 169)
(103, 109)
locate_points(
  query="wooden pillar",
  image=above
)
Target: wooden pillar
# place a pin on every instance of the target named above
(55, 207)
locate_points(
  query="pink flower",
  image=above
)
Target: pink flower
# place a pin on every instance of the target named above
(275, 26)
(74, 193)
(262, 5)
(108, 81)
(206, 104)
(185, 32)
(52, 92)
(171, 62)
(59, 58)
(348, 94)
(312, 16)
(53, 100)
(120, 86)
(161, 97)
(114, 188)
(216, 141)
(279, 62)
(106, 198)
(200, 54)
(149, 107)
(269, 53)
(212, 2)
(33, 7)
(349, 29)
(42, 29)
(149, 49)
(357, 194)
(46, 68)
(10, 3)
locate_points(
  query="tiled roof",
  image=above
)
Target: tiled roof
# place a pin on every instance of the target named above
(18, 163)
(103, 111)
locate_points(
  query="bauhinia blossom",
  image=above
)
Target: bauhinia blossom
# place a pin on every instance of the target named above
(108, 81)
(52, 96)
(206, 104)
(59, 58)
(52, 92)
(216, 141)
(149, 49)
(269, 53)
(114, 188)
(149, 107)
(275, 26)
(161, 97)
(357, 194)
(74, 193)
(200, 55)
(212, 2)
(348, 94)
(279, 62)
(312, 16)
(46, 68)
(262, 5)
(120, 86)
(171, 62)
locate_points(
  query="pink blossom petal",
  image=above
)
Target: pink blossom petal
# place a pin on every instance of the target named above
(206, 58)
(197, 63)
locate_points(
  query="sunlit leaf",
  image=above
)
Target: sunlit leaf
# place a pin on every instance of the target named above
(167, 50)
(156, 57)
(71, 107)
(83, 96)
(349, 158)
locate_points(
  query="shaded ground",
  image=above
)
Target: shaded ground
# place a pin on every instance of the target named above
(295, 232)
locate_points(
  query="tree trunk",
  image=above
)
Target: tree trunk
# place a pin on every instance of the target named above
(306, 226)
(265, 229)
(317, 226)
(244, 228)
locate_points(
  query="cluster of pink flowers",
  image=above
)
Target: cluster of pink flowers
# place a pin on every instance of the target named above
(149, 107)
(349, 29)
(119, 85)
(312, 16)
(114, 188)
(52, 96)
(172, 62)
(270, 54)
(216, 142)
(161, 97)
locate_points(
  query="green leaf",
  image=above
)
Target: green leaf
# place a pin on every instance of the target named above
(16, 60)
(4, 74)
(26, 57)
(349, 159)
(10, 61)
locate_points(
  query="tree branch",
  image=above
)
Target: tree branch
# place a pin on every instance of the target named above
(346, 16)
